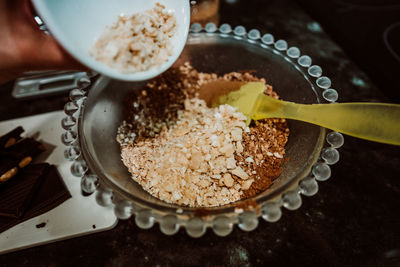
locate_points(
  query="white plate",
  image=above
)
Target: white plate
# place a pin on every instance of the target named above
(77, 216)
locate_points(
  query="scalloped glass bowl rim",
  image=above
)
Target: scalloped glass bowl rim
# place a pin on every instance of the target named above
(229, 208)
(318, 166)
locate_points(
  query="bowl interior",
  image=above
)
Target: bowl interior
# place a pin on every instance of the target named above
(103, 113)
(77, 24)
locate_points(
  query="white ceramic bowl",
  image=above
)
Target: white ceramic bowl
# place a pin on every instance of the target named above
(77, 24)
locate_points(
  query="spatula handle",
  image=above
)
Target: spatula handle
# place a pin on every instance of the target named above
(372, 121)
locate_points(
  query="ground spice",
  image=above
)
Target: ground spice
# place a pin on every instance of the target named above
(154, 108)
(155, 111)
(265, 143)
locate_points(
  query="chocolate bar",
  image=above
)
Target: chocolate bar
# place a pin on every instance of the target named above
(27, 147)
(11, 137)
(16, 196)
(18, 156)
(8, 168)
(51, 193)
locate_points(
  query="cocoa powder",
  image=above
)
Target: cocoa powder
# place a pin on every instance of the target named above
(262, 143)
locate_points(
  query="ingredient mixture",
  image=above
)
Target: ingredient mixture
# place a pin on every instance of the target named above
(137, 42)
(183, 152)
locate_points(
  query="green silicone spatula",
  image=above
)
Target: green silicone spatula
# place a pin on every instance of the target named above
(372, 121)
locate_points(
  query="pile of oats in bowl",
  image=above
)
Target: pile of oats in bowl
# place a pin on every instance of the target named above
(137, 42)
(183, 152)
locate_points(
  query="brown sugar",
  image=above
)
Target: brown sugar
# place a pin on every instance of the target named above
(186, 153)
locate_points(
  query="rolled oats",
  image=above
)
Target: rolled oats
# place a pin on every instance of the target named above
(137, 42)
(183, 152)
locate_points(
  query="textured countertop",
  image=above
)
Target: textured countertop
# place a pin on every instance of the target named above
(354, 219)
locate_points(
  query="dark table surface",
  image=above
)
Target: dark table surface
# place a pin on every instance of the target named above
(354, 219)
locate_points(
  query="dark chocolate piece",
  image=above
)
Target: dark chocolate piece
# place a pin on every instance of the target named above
(41, 225)
(11, 137)
(6, 168)
(27, 147)
(16, 196)
(52, 190)
(17, 157)
(51, 193)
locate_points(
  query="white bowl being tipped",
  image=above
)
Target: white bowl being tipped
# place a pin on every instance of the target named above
(77, 24)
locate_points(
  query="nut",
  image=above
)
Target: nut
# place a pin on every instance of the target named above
(228, 180)
(239, 172)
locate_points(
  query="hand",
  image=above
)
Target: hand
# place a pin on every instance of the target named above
(24, 47)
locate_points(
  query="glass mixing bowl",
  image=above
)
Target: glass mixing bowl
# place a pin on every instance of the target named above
(95, 112)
